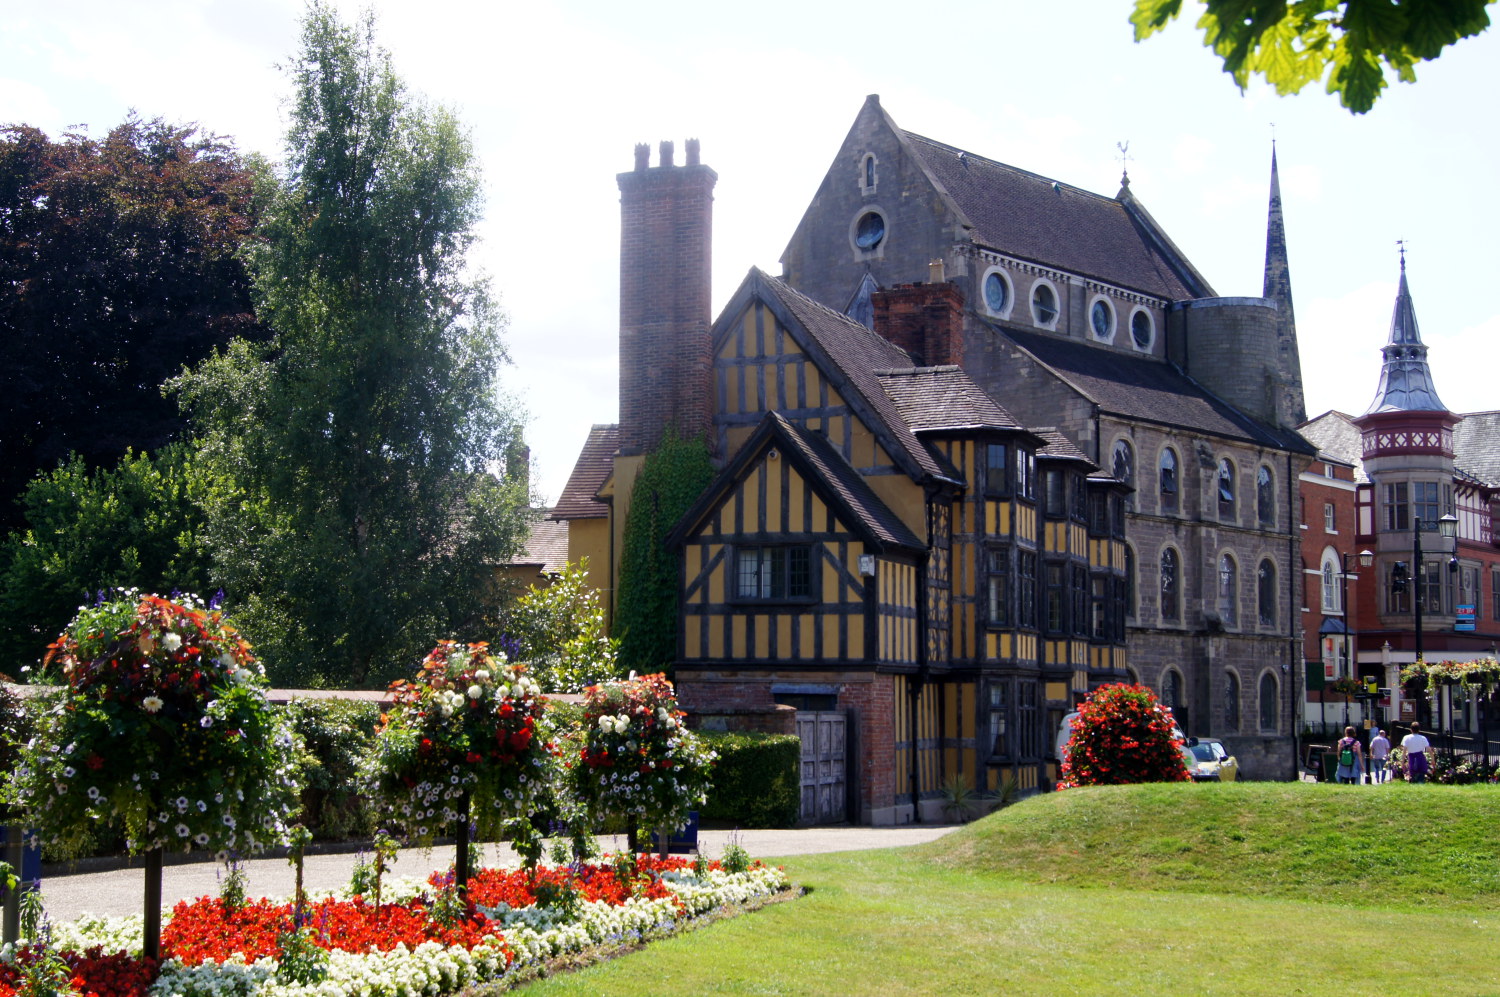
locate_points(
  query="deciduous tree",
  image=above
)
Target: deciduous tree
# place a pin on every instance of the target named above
(1351, 42)
(118, 264)
(365, 523)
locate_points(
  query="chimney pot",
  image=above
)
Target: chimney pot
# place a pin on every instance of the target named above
(642, 156)
(935, 272)
(666, 154)
(692, 152)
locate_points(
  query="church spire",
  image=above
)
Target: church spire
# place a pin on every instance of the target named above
(1405, 379)
(1278, 287)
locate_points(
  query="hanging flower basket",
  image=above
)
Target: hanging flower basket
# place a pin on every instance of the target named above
(470, 729)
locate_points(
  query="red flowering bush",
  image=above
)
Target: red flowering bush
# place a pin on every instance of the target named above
(635, 758)
(93, 974)
(206, 931)
(1122, 734)
(472, 724)
(592, 881)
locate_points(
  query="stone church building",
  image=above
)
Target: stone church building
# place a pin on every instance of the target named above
(988, 441)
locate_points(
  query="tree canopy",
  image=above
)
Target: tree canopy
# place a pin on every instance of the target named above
(364, 521)
(118, 265)
(1352, 42)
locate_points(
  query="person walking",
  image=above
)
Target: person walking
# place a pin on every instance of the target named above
(1380, 750)
(1351, 759)
(1416, 747)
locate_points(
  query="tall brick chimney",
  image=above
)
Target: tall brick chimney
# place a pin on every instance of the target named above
(925, 320)
(666, 221)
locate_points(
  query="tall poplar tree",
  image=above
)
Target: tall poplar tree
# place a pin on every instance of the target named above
(365, 523)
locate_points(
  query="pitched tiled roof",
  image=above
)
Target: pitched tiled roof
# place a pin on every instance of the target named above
(1148, 390)
(857, 355)
(847, 484)
(1056, 446)
(1476, 446)
(1035, 218)
(936, 398)
(1335, 434)
(546, 546)
(851, 499)
(595, 462)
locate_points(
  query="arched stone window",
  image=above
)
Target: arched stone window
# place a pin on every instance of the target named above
(1168, 484)
(1226, 492)
(1172, 696)
(1123, 464)
(1265, 497)
(1231, 702)
(1265, 591)
(1171, 586)
(1229, 590)
(1270, 703)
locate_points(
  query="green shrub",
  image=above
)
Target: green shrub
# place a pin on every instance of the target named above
(755, 781)
(336, 735)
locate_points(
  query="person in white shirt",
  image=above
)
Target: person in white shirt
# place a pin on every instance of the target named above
(1380, 749)
(1416, 747)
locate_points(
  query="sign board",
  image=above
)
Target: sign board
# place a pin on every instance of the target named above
(1464, 618)
(1408, 710)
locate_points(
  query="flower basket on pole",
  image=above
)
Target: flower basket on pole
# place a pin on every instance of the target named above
(465, 743)
(161, 732)
(636, 761)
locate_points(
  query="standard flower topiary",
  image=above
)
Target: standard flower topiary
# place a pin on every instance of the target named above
(1122, 734)
(162, 732)
(634, 758)
(470, 732)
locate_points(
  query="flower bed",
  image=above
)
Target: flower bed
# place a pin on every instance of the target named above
(406, 948)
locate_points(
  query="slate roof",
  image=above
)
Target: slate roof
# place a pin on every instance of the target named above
(852, 500)
(1476, 446)
(1038, 219)
(1056, 446)
(943, 398)
(546, 546)
(1148, 390)
(593, 468)
(857, 356)
(1336, 434)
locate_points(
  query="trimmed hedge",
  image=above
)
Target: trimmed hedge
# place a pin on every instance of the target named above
(755, 780)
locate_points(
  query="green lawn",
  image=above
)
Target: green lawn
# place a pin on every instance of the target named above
(1176, 890)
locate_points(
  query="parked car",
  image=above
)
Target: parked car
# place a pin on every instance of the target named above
(1209, 761)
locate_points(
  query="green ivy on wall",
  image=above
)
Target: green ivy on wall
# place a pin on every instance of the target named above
(670, 481)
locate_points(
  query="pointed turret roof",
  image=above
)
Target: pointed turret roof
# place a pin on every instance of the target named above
(1278, 287)
(1405, 379)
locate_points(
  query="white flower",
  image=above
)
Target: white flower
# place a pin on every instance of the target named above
(171, 642)
(482, 674)
(206, 722)
(69, 772)
(182, 831)
(201, 839)
(151, 704)
(226, 659)
(475, 691)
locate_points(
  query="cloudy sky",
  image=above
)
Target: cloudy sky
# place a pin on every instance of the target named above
(557, 95)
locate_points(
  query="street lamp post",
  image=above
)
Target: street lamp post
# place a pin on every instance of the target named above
(1447, 527)
(1351, 651)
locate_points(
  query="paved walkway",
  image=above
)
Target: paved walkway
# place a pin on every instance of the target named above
(119, 891)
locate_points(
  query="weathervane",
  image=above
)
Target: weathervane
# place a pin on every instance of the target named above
(1124, 148)
(1401, 248)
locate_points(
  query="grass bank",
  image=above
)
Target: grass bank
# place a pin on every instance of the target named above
(1138, 890)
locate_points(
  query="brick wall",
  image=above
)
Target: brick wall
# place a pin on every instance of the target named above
(925, 320)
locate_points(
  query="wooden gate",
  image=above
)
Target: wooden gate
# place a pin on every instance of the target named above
(824, 789)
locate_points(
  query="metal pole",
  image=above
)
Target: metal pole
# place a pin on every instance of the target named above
(1416, 596)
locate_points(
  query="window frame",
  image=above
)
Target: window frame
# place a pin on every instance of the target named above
(785, 574)
(1168, 480)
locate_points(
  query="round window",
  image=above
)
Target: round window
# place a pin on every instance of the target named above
(1102, 319)
(996, 293)
(870, 231)
(1140, 329)
(1044, 305)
